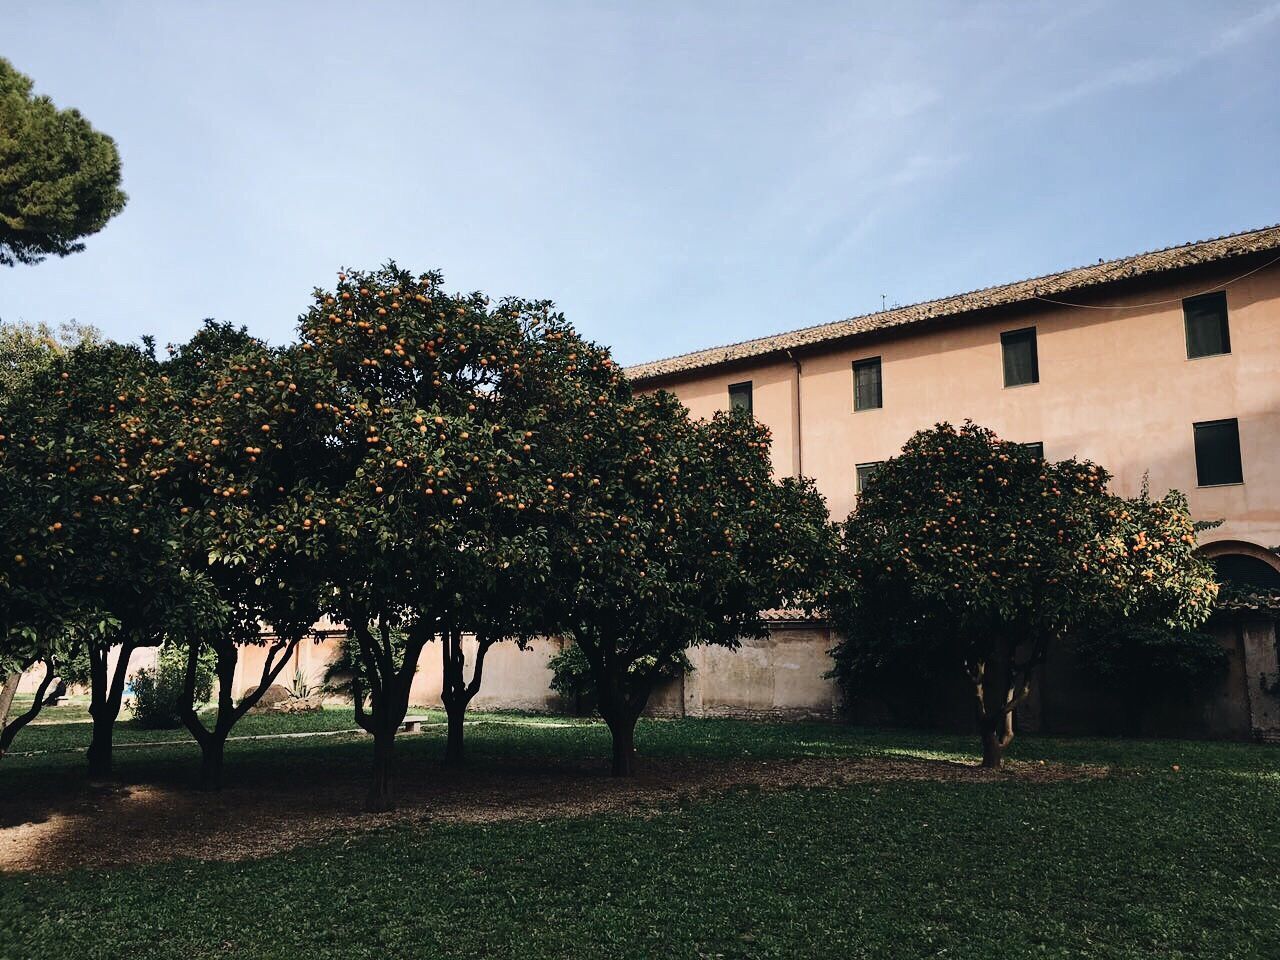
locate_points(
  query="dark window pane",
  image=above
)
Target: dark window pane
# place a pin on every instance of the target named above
(740, 396)
(1218, 453)
(1021, 364)
(865, 471)
(1036, 448)
(1207, 331)
(866, 385)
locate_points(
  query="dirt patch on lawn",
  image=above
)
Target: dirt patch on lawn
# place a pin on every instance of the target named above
(108, 826)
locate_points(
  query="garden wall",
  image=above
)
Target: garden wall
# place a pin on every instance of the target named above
(781, 677)
(778, 677)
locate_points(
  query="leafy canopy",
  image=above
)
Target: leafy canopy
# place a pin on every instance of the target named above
(59, 178)
(964, 542)
(682, 538)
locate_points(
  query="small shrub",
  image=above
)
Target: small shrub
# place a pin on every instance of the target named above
(343, 670)
(571, 676)
(339, 679)
(300, 685)
(1143, 664)
(158, 690)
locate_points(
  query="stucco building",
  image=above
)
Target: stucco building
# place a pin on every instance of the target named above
(1163, 365)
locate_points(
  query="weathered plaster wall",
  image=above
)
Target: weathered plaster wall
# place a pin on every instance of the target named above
(1115, 387)
(513, 679)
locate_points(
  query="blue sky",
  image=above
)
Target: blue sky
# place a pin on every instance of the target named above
(674, 175)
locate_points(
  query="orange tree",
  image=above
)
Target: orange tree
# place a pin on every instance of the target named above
(511, 589)
(437, 403)
(32, 628)
(970, 554)
(680, 537)
(30, 617)
(80, 438)
(1151, 650)
(33, 620)
(41, 625)
(240, 473)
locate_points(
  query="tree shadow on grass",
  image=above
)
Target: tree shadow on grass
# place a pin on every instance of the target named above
(278, 799)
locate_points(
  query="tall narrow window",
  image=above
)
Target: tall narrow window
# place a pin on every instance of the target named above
(866, 384)
(865, 471)
(1218, 453)
(1207, 331)
(1021, 364)
(740, 396)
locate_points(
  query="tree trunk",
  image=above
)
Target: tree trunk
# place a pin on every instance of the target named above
(382, 794)
(453, 750)
(992, 750)
(623, 730)
(212, 751)
(457, 693)
(993, 700)
(619, 705)
(106, 693)
(213, 742)
(389, 699)
(104, 726)
(7, 693)
(103, 722)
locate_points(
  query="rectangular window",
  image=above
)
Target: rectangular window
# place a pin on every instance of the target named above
(866, 384)
(1218, 453)
(740, 396)
(1021, 364)
(1206, 318)
(1036, 448)
(865, 471)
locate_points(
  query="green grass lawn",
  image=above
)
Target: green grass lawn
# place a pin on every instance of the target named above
(74, 730)
(1147, 862)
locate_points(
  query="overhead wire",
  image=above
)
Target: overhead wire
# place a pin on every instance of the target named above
(1155, 303)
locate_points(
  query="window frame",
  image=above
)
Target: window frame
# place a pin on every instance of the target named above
(1195, 447)
(1005, 337)
(879, 368)
(1225, 320)
(1030, 444)
(857, 474)
(740, 385)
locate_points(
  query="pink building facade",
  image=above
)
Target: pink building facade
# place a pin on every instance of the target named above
(1163, 366)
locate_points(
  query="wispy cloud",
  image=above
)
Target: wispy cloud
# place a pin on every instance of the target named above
(1149, 70)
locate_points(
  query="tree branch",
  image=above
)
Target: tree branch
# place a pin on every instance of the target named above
(482, 647)
(270, 671)
(10, 730)
(190, 718)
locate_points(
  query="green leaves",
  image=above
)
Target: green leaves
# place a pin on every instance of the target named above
(679, 536)
(964, 543)
(59, 178)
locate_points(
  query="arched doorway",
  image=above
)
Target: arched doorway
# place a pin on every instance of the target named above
(1244, 565)
(1250, 607)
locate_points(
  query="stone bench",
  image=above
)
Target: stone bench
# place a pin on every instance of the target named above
(413, 724)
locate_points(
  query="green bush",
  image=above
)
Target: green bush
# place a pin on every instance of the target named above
(158, 690)
(1141, 664)
(571, 676)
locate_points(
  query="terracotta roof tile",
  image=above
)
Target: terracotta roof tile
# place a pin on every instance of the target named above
(788, 615)
(1052, 285)
(1250, 599)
